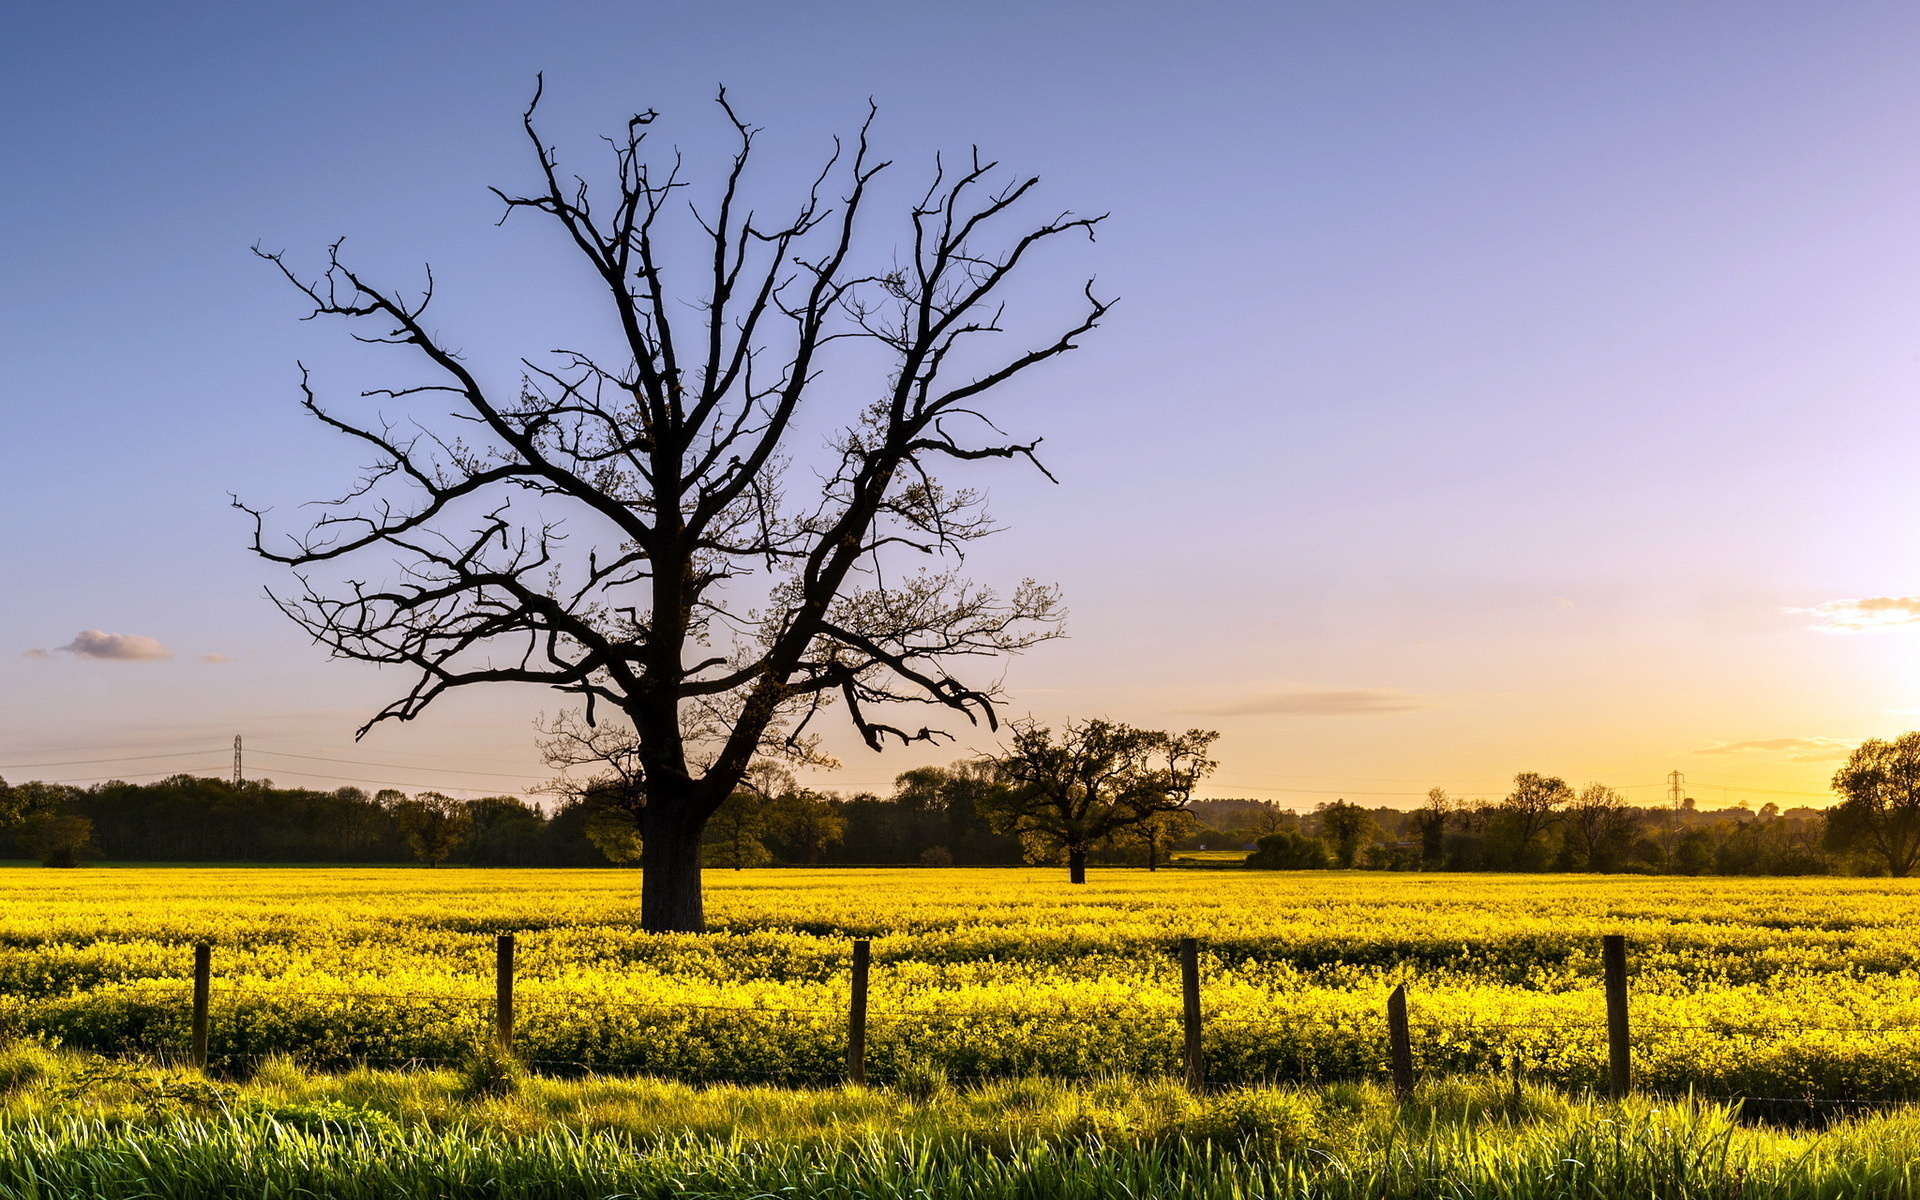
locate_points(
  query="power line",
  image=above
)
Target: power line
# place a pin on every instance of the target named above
(88, 762)
(392, 766)
(350, 779)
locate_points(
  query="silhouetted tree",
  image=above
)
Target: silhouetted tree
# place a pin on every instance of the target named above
(713, 607)
(1099, 778)
(1288, 850)
(434, 826)
(1157, 833)
(1880, 814)
(1530, 809)
(1430, 822)
(1601, 827)
(1349, 829)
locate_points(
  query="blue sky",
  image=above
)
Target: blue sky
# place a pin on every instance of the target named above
(1489, 379)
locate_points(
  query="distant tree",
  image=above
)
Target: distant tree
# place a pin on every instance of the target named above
(1693, 854)
(1268, 817)
(807, 821)
(31, 799)
(734, 833)
(950, 807)
(619, 526)
(1349, 829)
(1156, 835)
(1096, 780)
(1430, 822)
(936, 856)
(1601, 827)
(57, 839)
(433, 825)
(501, 830)
(1288, 850)
(1880, 813)
(1531, 808)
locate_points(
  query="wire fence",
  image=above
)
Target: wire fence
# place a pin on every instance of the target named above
(1774, 1068)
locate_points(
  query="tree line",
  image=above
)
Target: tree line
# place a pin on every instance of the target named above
(1095, 793)
(1545, 824)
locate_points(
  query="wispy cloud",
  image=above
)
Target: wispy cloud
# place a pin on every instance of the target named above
(1797, 749)
(212, 658)
(120, 647)
(35, 654)
(1859, 616)
(1321, 702)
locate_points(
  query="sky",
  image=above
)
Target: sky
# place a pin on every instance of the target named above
(1493, 387)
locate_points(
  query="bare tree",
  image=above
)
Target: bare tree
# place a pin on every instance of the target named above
(1430, 820)
(1601, 826)
(717, 609)
(1099, 779)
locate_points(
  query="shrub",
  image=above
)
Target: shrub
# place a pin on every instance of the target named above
(1288, 850)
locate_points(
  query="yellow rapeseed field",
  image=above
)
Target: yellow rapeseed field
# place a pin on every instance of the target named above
(1786, 988)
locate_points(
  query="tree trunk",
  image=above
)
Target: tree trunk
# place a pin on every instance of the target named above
(670, 877)
(1076, 864)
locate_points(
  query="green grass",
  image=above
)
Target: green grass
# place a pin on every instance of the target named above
(75, 1125)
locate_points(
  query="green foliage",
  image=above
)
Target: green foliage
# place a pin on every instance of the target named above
(921, 1079)
(1260, 1118)
(23, 1064)
(615, 834)
(805, 821)
(734, 832)
(1289, 850)
(1349, 830)
(1881, 813)
(385, 1135)
(57, 839)
(433, 825)
(489, 1071)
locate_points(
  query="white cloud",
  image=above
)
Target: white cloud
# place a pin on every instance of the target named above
(1797, 749)
(1858, 616)
(123, 647)
(1322, 702)
(35, 654)
(211, 658)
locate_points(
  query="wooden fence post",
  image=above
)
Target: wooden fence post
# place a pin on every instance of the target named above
(202, 997)
(857, 1015)
(1613, 960)
(503, 992)
(1190, 1011)
(1400, 1042)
